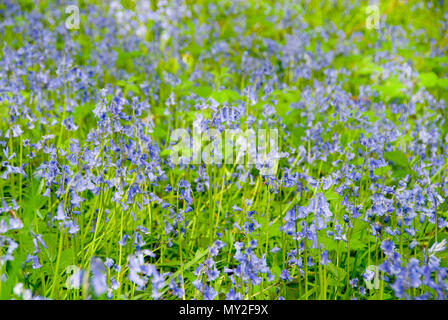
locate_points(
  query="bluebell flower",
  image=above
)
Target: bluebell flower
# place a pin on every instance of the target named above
(209, 293)
(284, 275)
(233, 295)
(109, 263)
(122, 242)
(324, 258)
(98, 276)
(275, 250)
(388, 247)
(60, 214)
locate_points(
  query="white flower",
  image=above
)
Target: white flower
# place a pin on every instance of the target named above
(438, 246)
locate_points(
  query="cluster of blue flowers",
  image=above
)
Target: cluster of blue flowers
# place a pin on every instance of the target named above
(93, 206)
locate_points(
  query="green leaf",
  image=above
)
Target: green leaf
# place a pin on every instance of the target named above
(286, 95)
(132, 87)
(329, 243)
(356, 244)
(122, 83)
(368, 67)
(443, 83)
(391, 88)
(382, 171)
(397, 157)
(428, 80)
(274, 230)
(338, 273)
(276, 270)
(165, 152)
(225, 96)
(203, 91)
(331, 195)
